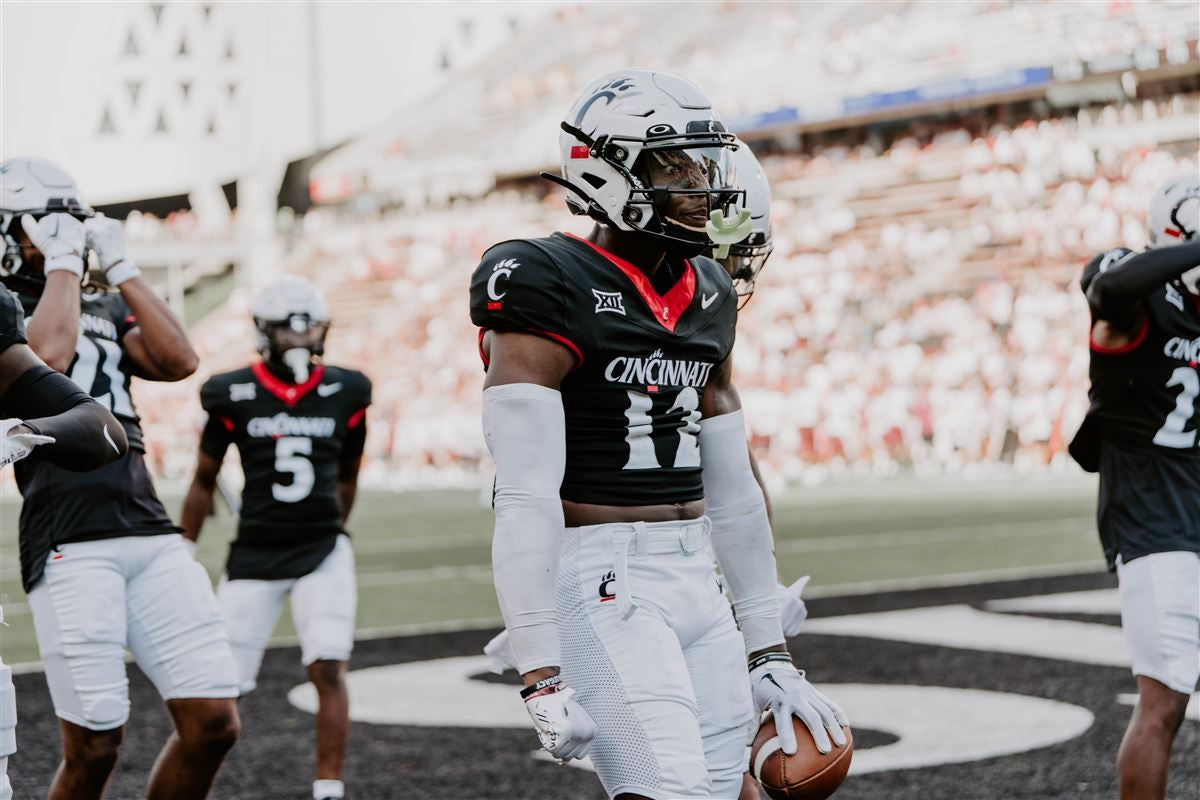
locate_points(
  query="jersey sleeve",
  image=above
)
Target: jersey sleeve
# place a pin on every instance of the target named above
(123, 317)
(518, 287)
(218, 427)
(12, 320)
(356, 425)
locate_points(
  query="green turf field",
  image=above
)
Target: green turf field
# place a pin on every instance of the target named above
(423, 558)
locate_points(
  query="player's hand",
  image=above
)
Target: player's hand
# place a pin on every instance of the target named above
(107, 237)
(780, 688)
(17, 442)
(792, 611)
(500, 653)
(563, 727)
(61, 239)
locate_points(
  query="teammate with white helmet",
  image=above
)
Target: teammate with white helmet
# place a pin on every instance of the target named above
(102, 563)
(621, 453)
(1142, 434)
(299, 426)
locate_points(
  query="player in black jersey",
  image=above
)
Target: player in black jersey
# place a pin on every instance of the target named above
(615, 429)
(51, 420)
(299, 426)
(102, 564)
(1142, 434)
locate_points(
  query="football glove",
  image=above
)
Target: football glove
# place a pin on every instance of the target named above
(61, 239)
(792, 610)
(15, 446)
(107, 237)
(563, 727)
(780, 688)
(500, 653)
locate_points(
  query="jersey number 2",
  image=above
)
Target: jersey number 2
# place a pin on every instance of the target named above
(639, 426)
(1172, 434)
(290, 452)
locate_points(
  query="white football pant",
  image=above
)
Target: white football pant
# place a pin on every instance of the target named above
(146, 593)
(324, 603)
(651, 648)
(1160, 613)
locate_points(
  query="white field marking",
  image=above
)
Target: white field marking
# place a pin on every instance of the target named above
(1193, 707)
(1096, 601)
(950, 579)
(934, 724)
(931, 535)
(967, 628)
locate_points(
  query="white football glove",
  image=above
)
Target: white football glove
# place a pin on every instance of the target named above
(107, 237)
(500, 653)
(563, 727)
(61, 239)
(792, 611)
(780, 688)
(15, 446)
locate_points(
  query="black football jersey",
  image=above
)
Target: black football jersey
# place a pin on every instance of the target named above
(101, 366)
(643, 359)
(1146, 395)
(12, 320)
(116, 500)
(293, 439)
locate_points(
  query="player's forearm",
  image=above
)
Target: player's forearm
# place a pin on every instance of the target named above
(741, 531)
(87, 435)
(763, 487)
(54, 327)
(1118, 291)
(165, 339)
(197, 505)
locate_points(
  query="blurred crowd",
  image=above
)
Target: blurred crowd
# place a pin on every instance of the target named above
(921, 311)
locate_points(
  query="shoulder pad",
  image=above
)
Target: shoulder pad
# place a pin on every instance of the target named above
(12, 320)
(518, 286)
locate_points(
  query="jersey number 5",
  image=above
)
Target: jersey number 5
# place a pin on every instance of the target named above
(1172, 433)
(640, 426)
(290, 452)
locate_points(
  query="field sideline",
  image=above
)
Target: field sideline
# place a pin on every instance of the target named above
(423, 557)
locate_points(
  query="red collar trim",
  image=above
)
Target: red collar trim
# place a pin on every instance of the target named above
(667, 308)
(289, 393)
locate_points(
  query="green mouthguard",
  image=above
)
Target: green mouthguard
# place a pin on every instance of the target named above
(725, 231)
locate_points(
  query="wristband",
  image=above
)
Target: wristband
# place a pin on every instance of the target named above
(768, 658)
(120, 272)
(544, 686)
(66, 263)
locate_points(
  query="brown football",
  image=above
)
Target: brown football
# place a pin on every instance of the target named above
(808, 775)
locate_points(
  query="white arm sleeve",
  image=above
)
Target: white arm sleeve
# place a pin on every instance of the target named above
(525, 429)
(741, 532)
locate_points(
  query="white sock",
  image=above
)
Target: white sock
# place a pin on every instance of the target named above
(328, 788)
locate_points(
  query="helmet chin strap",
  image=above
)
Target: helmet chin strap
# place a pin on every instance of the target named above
(299, 361)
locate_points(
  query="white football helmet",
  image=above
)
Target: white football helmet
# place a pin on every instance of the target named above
(616, 126)
(1175, 211)
(747, 258)
(292, 318)
(36, 187)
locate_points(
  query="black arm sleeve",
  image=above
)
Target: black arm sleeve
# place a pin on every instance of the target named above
(49, 403)
(1116, 292)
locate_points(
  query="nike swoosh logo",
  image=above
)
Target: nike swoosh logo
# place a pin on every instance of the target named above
(326, 389)
(705, 302)
(108, 438)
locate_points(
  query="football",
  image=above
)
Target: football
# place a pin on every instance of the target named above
(807, 775)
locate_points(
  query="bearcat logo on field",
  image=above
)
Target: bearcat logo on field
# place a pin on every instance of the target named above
(658, 371)
(286, 425)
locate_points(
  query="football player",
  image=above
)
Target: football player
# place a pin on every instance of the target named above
(102, 564)
(299, 426)
(1141, 435)
(608, 386)
(68, 429)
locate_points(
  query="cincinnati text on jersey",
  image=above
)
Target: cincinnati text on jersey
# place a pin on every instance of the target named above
(284, 424)
(658, 371)
(1183, 349)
